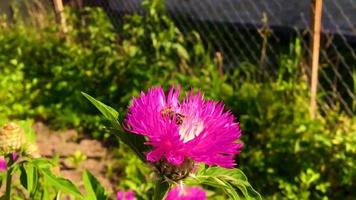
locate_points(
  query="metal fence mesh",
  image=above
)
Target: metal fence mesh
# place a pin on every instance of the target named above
(337, 61)
(257, 31)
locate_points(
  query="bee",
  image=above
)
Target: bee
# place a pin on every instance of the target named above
(179, 118)
(168, 112)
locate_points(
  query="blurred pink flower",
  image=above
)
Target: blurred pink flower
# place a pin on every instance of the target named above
(193, 129)
(181, 192)
(15, 156)
(3, 164)
(122, 195)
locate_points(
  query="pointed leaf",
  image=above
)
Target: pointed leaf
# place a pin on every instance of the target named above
(41, 163)
(23, 177)
(108, 112)
(29, 177)
(134, 141)
(61, 183)
(95, 191)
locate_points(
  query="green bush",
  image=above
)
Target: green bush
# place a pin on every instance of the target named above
(290, 156)
(96, 60)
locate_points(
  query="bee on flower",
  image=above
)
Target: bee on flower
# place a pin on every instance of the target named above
(183, 133)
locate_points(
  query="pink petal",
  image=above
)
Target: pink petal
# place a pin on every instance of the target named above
(122, 195)
(194, 128)
(3, 164)
(180, 192)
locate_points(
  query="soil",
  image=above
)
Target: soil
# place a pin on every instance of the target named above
(91, 154)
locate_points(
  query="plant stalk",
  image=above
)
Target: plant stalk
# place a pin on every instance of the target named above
(161, 189)
(9, 178)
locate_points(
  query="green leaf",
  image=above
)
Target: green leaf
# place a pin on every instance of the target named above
(182, 52)
(29, 177)
(58, 196)
(41, 163)
(134, 141)
(29, 133)
(41, 192)
(233, 181)
(61, 183)
(108, 112)
(95, 191)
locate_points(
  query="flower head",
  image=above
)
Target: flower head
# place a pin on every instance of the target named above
(11, 138)
(193, 129)
(181, 192)
(122, 195)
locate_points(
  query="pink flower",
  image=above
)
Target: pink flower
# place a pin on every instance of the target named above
(15, 156)
(3, 165)
(186, 193)
(122, 195)
(192, 129)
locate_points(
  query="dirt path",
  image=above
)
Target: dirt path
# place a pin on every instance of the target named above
(74, 155)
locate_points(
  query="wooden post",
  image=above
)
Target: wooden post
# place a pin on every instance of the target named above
(58, 7)
(315, 48)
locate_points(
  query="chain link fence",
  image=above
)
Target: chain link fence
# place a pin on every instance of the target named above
(258, 31)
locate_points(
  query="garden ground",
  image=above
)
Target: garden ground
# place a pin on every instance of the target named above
(75, 154)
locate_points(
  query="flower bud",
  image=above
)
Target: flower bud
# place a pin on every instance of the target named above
(11, 138)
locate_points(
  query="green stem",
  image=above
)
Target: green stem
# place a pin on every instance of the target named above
(160, 190)
(9, 178)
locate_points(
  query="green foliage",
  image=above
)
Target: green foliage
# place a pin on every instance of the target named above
(38, 180)
(136, 172)
(288, 155)
(95, 60)
(11, 77)
(50, 88)
(136, 175)
(232, 181)
(135, 142)
(92, 186)
(76, 159)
